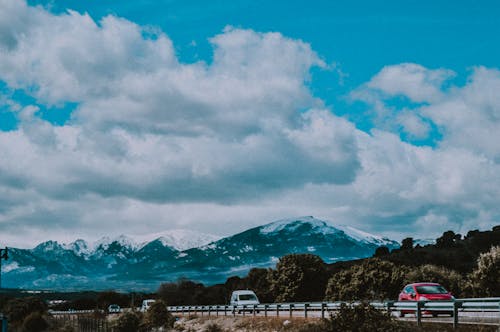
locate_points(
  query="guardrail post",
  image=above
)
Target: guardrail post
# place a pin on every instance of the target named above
(244, 306)
(322, 310)
(277, 310)
(419, 313)
(305, 309)
(290, 309)
(4, 322)
(234, 310)
(254, 309)
(225, 310)
(265, 310)
(389, 305)
(456, 305)
(208, 311)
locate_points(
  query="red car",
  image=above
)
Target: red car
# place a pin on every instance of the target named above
(425, 291)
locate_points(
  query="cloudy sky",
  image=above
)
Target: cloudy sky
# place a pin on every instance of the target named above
(139, 117)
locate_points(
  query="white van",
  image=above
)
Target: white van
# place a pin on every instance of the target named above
(244, 297)
(146, 304)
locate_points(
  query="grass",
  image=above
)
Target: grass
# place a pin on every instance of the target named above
(261, 324)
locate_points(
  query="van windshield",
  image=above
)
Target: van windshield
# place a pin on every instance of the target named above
(247, 297)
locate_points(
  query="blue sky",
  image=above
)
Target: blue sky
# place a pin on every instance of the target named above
(223, 115)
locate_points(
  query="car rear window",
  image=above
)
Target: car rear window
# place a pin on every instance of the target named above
(431, 290)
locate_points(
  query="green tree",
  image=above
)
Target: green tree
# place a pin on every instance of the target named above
(299, 277)
(448, 239)
(407, 243)
(370, 280)
(104, 299)
(19, 308)
(182, 292)
(450, 279)
(258, 280)
(158, 315)
(485, 279)
(381, 251)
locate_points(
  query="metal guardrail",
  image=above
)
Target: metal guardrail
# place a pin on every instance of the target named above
(417, 307)
(322, 309)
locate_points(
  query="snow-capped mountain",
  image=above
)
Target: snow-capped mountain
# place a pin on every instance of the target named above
(183, 239)
(263, 245)
(127, 263)
(178, 239)
(321, 226)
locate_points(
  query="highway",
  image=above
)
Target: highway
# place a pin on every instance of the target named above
(484, 311)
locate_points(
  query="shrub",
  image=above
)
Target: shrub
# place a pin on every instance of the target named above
(450, 279)
(34, 322)
(158, 315)
(299, 277)
(127, 322)
(373, 279)
(485, 279)
(213, 327)
(362, 318)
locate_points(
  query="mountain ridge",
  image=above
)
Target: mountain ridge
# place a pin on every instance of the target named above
(123, 263)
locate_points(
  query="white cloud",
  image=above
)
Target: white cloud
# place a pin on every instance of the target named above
(414, 125)
(157, 144)
(411, 80)
(450, 184)
(151, 130)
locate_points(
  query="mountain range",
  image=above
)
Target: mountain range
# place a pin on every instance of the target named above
(124, 264)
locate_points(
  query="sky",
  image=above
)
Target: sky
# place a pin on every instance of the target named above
(139, 117)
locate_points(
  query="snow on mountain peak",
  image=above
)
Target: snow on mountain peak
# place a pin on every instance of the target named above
(361, 235)
(179, 239)
(324, 227)
(293, 223)
(123, 240)
(79, 247)
(182, 239)
(48, 246)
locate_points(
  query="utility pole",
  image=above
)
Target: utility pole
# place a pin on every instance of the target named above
(4, 254)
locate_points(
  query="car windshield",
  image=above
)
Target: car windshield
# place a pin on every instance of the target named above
(431, 289)
(247, 297)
